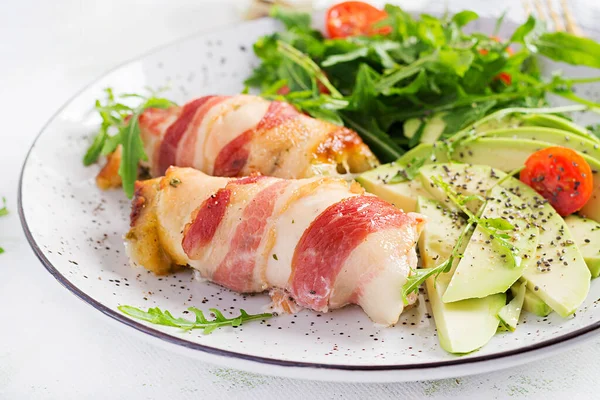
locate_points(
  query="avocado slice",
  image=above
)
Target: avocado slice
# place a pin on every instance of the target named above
(587, 237)
(532, 303)
(432, 153)
(484, 268)
(462, 326)
(549, 135)
(432, 130)
(553, 121)
(403, 194)
(510, 154)
(559, 275)
(510, 313)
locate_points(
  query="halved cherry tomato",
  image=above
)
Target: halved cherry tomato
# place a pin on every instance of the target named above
(352, 18)
(561, 176)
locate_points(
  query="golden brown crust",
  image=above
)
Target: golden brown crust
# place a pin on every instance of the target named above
(108, 177)
(344, 147)
(143, 239)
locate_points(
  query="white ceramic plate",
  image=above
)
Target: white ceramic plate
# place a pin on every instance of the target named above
(76, 231)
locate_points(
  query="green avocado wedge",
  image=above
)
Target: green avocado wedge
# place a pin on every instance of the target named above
(559, 275)
(532, 303)
(549, 135)
(485, 268)
(463, 326)
(510, 313)
(587, 237)
(432, 130)
(509, 154)
(553, 121)
(430, 153)
(403, 195)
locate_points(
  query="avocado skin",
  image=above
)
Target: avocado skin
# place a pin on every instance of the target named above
(586, 234)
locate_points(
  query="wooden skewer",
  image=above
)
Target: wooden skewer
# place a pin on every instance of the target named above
(540, 10)
(556, 19)
(260, 8)
(527, 8)
(572, 26)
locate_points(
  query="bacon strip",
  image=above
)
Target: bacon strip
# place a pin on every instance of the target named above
(327, 243)
(186, 149)
(205, 221)
(168, 149)
(233, 157)
(236, 271)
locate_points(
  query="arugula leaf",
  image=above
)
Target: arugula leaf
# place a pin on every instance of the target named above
(568, 48)
(361, 52)
(409, 171)
(133, 152)
(93, 152)
(522, 32)
(497, 223)
(416, 279)
(391, 79)
(159, 317)
(464, 17)
(464, 116)
(415, 86)
(124, 119)
(498, 23)
(456, 60)
(308, 65)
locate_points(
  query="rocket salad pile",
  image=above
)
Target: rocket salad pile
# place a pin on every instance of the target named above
(378, 69)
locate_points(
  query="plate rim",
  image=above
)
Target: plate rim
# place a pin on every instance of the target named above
(186, 344)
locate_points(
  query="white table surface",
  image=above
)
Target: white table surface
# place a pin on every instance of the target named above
(52, 345)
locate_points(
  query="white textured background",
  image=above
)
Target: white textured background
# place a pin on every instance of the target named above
(53, 346)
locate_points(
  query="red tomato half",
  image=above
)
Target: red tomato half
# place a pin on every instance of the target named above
(352, 18)
(561, 176)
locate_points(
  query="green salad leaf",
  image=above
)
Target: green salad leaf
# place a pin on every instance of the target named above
(120, 127)
(424, 66)
(420, 275)
(159, 317)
